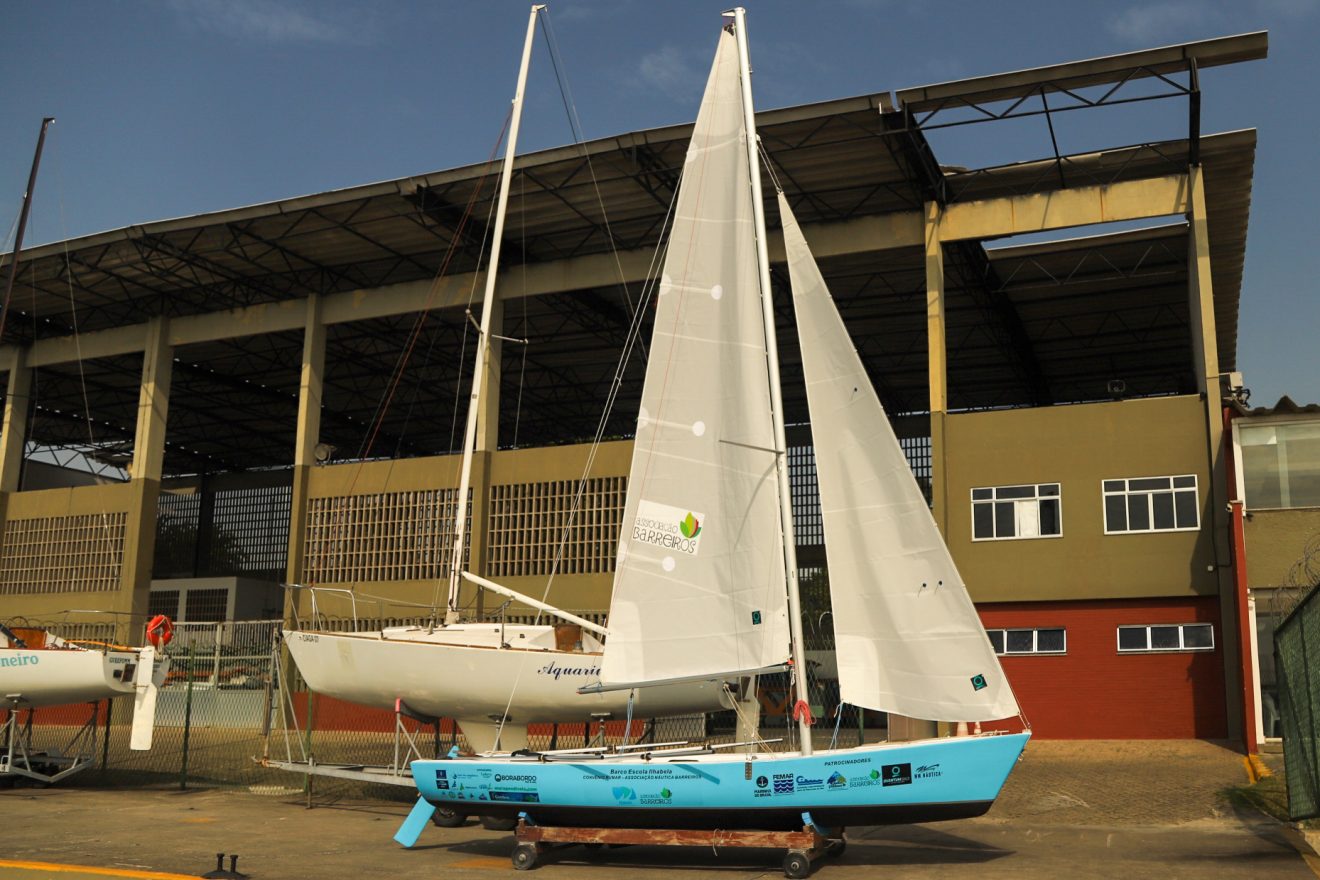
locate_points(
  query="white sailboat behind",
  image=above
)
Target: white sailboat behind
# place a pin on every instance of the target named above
(493, 679)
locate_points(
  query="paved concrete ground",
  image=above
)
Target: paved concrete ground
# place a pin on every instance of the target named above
(1074, 810)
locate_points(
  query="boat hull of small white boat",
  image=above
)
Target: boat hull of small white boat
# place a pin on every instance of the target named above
(889, 783)
(462, 672)
(59, 676)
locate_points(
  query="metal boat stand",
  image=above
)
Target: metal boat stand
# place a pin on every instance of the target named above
(19, 759)
(803, 848)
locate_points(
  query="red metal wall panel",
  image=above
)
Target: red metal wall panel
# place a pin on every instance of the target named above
(1094, 692)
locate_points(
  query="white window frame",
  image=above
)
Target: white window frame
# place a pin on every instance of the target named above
(1019, 505)
(1150, 494)
(1035, 640)
(1182, 639)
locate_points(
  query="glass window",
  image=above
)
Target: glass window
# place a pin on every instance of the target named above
(1003, 512)
(1021, 641)
(1049, 640)
(1198, 635)
(1164, 638)
(1167, 637)
(1028, 641)
(1151, 504)
(1281, 464)
(1132, 638)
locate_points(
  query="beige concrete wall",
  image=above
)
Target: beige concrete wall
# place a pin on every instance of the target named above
(1078, 447)
(49, 503)
(580, 592)
(1276, 540)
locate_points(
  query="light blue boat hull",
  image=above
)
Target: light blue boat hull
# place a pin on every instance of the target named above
(888, 783)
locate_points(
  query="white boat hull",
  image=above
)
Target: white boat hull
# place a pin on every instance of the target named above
(478, 684)
(56, 677)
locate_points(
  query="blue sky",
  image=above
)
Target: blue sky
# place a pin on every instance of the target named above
(168, 108)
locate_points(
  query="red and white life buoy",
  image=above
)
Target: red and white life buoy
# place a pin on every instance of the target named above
(160, 629)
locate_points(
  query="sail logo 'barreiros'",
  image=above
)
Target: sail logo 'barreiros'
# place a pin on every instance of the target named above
(667, 527)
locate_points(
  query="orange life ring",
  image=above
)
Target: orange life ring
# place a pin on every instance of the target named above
(160, 629)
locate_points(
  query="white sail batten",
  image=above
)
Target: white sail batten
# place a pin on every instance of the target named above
(699, 585)
(907, 635)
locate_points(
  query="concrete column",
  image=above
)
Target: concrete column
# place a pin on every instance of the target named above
(1205, 363)
(144, 480)
(310, 389)
(18, 396)
(902, 728)
(937, 368)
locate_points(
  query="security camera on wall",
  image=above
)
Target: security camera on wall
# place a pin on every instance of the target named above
(323, 452)
(1117, 388)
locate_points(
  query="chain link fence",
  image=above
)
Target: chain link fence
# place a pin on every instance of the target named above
(1297, 668)
(233, 697)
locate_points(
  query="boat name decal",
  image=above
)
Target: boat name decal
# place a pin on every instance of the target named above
(20, 660)
(556, 670)
(671, 528)
(616, 773)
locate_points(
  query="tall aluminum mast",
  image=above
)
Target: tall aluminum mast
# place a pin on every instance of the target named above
(776, 396)
(483, 338)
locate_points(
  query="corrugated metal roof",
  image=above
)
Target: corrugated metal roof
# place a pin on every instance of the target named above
(1044, 323)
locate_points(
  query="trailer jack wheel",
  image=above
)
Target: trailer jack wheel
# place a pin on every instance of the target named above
(796, 866)
(525, 856)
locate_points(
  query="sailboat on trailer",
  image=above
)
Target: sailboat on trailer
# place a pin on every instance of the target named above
(706, 581)
(494, 679)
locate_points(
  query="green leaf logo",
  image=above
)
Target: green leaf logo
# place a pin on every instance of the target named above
(666, 793)
(689, 526)
(875, 774)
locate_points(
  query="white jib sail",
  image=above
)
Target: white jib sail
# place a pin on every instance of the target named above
(699, 585)
(907, 635)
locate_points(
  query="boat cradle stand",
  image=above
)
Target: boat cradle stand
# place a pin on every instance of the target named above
(18, 758)
(803, 848)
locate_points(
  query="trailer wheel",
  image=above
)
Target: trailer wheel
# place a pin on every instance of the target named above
(495, 823)
(796, 866)
(448, 817)
(524, 856)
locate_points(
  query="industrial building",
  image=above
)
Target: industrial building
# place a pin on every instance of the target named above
(273, 393)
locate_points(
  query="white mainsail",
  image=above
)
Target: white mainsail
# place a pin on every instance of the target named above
(699, 588)
(907, 636)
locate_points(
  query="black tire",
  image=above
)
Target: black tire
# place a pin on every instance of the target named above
(495, 823)
(524, 857)
(447, 817)
(796, 866)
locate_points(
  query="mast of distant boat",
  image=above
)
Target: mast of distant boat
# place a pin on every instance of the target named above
(483, 337)
(22, 223)
(776, 396)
